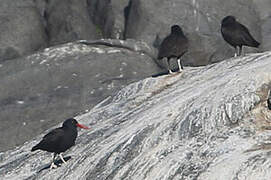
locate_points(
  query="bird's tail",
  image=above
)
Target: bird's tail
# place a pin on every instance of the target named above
(256, 43)
(35, 148)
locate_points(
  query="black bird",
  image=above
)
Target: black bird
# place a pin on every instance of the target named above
(60, 139)
(269, 100)
(236, 34)
(173, 46)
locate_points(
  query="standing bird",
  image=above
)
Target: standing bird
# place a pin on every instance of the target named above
(60, 139)
(269, 100)
(173, 46)
(236, 34)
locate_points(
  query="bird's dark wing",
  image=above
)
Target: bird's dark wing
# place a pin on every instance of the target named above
(245, 36)
(229, 35)
(51, 141)
(172, 46)
(54, 135)
(269, 100)
(183, 45)
(166, 45)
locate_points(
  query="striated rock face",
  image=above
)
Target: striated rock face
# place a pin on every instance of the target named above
(207, 123)
(40, 90)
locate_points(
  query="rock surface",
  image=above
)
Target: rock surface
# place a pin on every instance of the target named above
(263, 8)
(68, 21)
(22, 31)
(209, 122)
(40, 90)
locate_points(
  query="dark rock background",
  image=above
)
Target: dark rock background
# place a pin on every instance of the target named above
(22, 30)
(29, 91)
(33, 24)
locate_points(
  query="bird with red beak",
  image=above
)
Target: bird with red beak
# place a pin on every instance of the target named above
(60, 139)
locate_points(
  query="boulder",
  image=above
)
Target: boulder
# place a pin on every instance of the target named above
(263, 8)
(102, 15)
(67, 21)
(42, 89)
(108, 15)
(22, 30)
(208, 122)
(118, 7)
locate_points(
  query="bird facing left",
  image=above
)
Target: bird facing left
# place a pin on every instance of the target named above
(60, 139)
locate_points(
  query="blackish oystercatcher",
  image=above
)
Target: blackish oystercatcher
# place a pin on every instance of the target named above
(173, 46)
(236, 34)
(60, 139)
(269, 100)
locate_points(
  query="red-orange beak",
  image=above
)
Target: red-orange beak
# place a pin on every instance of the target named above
(82, 126)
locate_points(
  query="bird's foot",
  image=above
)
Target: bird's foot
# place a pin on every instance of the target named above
(53, 166)
(62, 159)
(170, 72)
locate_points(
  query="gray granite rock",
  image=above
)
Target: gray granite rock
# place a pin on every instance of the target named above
(42, 89)
(263, 8)
(209, 122)
(22, 30)
(69, 21)
(108, 16)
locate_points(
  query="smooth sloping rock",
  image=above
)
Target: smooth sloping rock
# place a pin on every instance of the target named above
(207, 123)
(22, 30)
(45, 88)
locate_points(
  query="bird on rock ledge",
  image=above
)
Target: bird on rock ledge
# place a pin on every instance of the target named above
(236, 34)
(60, 139)
(175, 45)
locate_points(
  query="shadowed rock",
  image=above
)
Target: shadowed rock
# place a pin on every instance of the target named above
(236, 34)
(22, 31)
(206, 123)
(69, 21)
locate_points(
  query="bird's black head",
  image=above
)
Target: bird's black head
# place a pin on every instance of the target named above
(228, 20)
(175, 29)
(72, 123)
